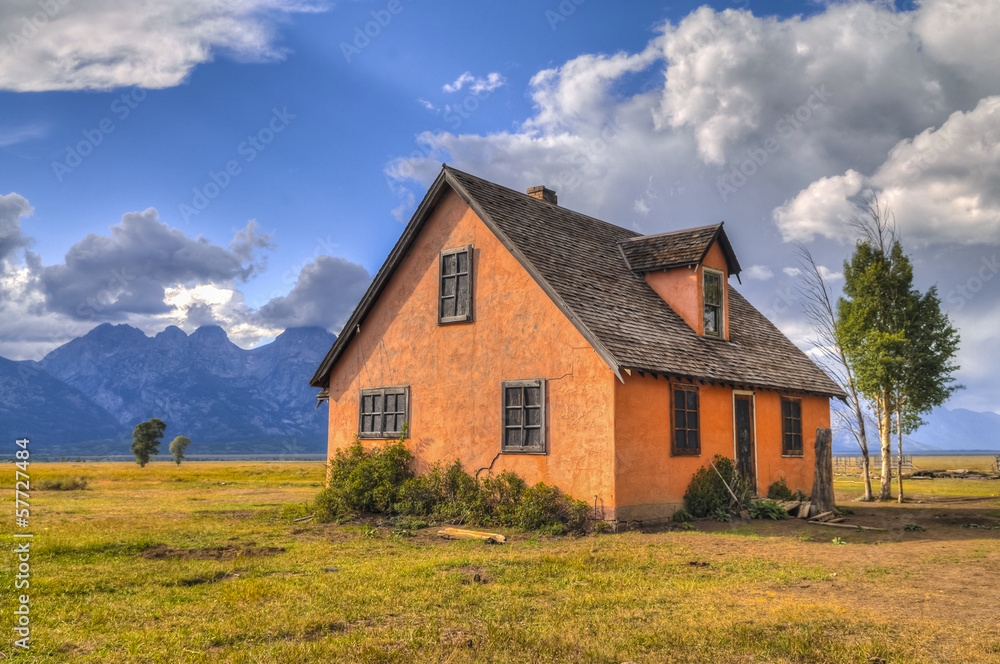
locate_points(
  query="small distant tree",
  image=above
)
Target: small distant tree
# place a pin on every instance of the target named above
(177, 446)
(146, 440)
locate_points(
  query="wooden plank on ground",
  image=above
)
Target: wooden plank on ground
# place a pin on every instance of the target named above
(823, 516)
(845, 525)
(459, 533)
(804, 510)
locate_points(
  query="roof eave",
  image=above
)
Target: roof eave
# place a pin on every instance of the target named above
(734, 383)
(732, 264)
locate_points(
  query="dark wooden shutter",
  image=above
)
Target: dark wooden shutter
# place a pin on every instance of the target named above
(791, 427)
(383, 412)
(523, 417)
(686, 439)
(455, 289)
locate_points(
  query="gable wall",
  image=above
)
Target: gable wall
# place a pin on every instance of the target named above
(455, 371)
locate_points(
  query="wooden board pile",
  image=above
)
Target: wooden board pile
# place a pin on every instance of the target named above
(803, 509)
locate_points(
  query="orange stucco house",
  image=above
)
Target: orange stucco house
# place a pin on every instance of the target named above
(514, 334)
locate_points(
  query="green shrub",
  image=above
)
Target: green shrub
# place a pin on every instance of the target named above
(682, 516)
(500, 497)
(767, 509)
(547, 508)
(780, 491)
(364, 480)
(601, 527)
(62, 484)
(722, 515)
(380, 480)
(707, 492)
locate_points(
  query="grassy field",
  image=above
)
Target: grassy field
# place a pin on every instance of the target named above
(205, 563)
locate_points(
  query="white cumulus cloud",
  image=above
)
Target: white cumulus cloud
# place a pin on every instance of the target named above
(103, 44)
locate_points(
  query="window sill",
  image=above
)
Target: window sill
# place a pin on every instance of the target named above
(685, 454)
(525, 452)
(793, 456)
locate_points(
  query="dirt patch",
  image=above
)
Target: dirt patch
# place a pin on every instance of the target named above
(467, 574)
(231, 552)
(947, 573)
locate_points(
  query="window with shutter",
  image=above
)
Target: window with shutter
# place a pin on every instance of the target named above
(686, 439)
(712, 299)
(383, 412)
(455, 292)
(523, 417)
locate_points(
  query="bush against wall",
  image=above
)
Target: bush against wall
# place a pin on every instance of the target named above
(707, 494)
(380, 480)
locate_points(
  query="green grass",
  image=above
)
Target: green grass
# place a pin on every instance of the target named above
(852, 486)
(97, 596)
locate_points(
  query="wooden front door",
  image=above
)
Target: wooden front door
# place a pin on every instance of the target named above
(745, 453)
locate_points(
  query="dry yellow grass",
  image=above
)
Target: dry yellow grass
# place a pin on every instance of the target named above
(109, 584)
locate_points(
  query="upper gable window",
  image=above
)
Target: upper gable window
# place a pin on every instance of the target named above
(712, 282)
(455, 290)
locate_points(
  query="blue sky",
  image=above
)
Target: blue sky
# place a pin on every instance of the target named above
(251, 162)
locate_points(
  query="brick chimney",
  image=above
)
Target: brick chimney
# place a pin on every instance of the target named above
(543, 193)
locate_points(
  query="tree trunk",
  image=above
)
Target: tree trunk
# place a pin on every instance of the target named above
(885, 438)
(822, 491)
(863, 442)
(899, 445)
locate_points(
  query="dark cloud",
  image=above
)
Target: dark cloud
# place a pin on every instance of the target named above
(12, 208)
(325, 294)
(247, 240)
(111, 277)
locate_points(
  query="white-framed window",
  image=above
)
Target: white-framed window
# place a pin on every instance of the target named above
(713, 283)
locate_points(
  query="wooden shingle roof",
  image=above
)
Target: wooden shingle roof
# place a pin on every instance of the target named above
(577, 261)
(649, 253)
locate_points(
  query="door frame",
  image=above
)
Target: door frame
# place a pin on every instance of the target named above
(753, 434)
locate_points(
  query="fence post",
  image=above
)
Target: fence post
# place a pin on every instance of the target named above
(822, 492)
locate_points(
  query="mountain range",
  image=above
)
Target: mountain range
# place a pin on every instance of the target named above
(86, 396)
(945, 430)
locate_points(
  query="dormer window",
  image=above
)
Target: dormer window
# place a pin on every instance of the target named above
(455, 294)
(712, 298)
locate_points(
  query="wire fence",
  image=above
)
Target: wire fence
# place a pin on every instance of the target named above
(852, 464)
